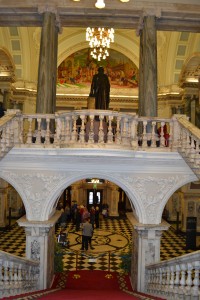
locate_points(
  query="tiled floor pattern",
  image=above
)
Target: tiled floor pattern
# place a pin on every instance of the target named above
(112, 238)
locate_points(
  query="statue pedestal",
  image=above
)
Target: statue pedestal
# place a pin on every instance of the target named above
(91, 103)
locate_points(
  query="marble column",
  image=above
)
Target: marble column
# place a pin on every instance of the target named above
(40, 239)
(148, 68)
(113, 207)
(6, 99)
(145, 249)
(3, 203)
(47, 71)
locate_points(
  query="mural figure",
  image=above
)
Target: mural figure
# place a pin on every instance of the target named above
(100, 89)
(78, 69)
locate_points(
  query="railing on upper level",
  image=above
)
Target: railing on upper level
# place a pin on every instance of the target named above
(176, 278)
(99, 128)
(17, 275)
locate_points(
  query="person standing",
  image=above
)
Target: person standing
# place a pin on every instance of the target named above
(86, 234)
(2, 110)
(100, 89)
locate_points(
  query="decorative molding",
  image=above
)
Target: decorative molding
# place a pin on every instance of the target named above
(35, 250)
(152, 190)
(37, 187)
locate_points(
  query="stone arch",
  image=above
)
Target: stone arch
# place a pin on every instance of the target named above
(77, 42)
(7, 66)
(19, 190)
(50, 205)
(186, 179)
(190, 69)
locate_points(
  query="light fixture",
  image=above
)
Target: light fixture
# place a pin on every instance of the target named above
(99, 41)
(100, 4)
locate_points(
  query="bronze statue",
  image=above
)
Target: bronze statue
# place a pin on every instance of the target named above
(100, 89)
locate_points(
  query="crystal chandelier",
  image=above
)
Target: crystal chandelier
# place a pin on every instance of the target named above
(101, 4)
(99, 40)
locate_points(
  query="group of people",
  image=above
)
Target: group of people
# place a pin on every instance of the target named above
(83, 219)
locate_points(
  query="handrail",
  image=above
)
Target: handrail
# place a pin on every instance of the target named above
(176, 278)
(91, 128)
(18, 275)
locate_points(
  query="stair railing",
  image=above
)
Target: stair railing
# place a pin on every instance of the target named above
(176, 278)
(17, 275)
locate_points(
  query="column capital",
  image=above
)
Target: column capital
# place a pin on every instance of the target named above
(49, 8)
(43, 226)
(147, 12)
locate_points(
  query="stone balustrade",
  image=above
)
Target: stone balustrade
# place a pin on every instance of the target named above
(99, 128)
(189, 143)
(17, 275)
(177, 278)
(86, 128)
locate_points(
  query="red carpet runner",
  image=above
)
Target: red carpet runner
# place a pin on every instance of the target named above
(88, 285)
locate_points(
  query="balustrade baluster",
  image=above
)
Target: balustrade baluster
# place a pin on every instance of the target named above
(196, 281)
(15, 276)
(47, 133)
(183, 142)
(188, 145)
(74, 129)
(164, 279)
(160, 280)
(29, 134)
(82, 129)
(162, 137)
(189, 279)
(151, 281)
(154, 281)
(153, 135)
(125, 131)
(110, 133)
(118, 131)
(192, 150)
(182, 281)
(197, 155)
(3, 140)
(19, 131)
(101, 129)
(6, 276)
(171, 281)
(170, 140)
(67, 131)
(91, 130)
(144, 135)
(11, 277)
(38, 132)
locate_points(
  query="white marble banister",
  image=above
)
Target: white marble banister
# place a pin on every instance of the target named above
(189, 142)
(177, 278)
(17, 275)
(99, 128)
(86, 128)
(7, 137)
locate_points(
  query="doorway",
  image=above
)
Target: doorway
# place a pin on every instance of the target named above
(94, 198)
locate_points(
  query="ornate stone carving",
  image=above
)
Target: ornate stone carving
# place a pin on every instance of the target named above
(152, 190)
(37, 187)
(35, 250)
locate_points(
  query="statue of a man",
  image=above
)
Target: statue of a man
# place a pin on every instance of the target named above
(100, 89)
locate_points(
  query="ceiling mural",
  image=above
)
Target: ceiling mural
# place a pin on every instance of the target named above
(76, 71)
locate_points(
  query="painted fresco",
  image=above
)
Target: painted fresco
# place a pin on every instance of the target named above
(78, 69)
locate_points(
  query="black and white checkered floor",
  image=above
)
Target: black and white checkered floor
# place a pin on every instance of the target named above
(113, 238)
